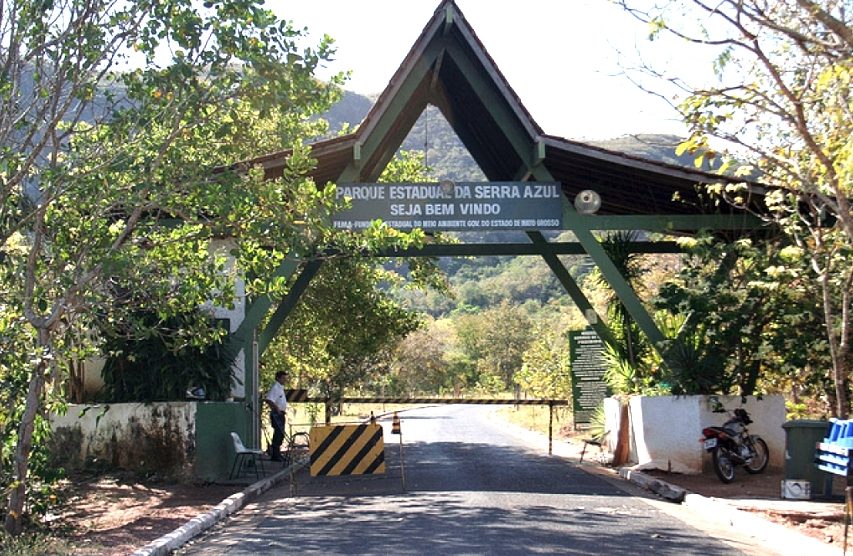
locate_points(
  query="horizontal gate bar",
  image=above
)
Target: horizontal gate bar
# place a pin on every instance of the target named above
(468, 401)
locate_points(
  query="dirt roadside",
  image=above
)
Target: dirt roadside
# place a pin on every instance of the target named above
(112, 515)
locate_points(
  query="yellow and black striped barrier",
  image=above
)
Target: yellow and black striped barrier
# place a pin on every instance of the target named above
(347, 450)
(296, 395)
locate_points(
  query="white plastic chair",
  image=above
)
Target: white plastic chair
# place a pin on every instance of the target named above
(243, 456)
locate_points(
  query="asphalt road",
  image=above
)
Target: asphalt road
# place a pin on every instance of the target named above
(474, 485)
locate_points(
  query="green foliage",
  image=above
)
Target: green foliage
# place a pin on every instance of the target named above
(781, 100)
(343, 331)
(338, 334)
(492, 344)
(420, 364)
(598, 424)
(33, 543)
(167, 361)
(747, 321)
(545, 369)
(17, 349)
(121, 164)
(629, 265)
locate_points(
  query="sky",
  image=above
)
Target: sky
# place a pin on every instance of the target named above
(564, 58)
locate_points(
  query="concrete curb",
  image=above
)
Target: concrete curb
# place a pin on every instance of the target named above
(661, 488)
(778, 537)
(202, 522)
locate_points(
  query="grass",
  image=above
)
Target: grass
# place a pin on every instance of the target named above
(535, 418)
(33, 543)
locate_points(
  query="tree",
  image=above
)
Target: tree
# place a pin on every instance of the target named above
(494, 342)
(342, 332)
(419, 364)
(783, 103)
(342, 323)
(106, 193)
(747, 318)
(545, 370)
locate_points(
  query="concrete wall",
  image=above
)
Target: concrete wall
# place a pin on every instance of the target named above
(665, 430)
(159, 437)
(178, 440)
(214, 449)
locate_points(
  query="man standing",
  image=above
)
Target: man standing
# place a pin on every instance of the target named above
(277, 402)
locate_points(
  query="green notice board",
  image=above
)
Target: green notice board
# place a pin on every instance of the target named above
(588, 366)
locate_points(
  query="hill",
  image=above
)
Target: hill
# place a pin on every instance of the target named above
(448, 158)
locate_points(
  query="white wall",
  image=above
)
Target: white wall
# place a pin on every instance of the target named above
(93, 379)
(665, 430)
(236, 314)
(134, 436)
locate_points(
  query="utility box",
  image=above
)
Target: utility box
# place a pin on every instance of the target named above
(801, 437)
(796, 489)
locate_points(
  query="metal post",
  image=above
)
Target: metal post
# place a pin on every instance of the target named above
(402, 465)
(550, 427)
(848, 509)
(252, 389)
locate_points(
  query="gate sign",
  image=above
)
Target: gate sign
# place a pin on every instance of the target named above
(451, 205)
(588, 367)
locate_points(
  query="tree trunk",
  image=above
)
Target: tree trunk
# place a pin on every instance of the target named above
(17, 493)
(838, 347)
(622, 451)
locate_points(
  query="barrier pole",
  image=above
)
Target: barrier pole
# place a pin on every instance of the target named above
(402, 465)
(550, 428)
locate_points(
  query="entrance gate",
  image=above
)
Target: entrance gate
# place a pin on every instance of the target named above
(448, 67)
(301, 396)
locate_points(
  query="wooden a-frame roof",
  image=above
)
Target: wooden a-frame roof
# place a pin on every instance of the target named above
(450, 68)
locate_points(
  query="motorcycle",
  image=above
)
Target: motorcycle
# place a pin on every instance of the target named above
(732, 445)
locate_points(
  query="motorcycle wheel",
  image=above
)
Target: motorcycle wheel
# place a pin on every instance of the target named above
(762, 455)
(723, 466)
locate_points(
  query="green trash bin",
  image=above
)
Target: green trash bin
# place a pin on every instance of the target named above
(800, 438)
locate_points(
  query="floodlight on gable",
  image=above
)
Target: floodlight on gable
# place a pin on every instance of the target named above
(587, 202)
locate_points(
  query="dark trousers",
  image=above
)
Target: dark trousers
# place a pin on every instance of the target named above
(277, 422)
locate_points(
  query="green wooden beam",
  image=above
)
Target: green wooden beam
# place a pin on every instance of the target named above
(256, 310)
(385, 124)
(614, 278)
(611, 274)
(288, 303)
(516, 249)
(484, 88)
(572, 288)
(661, 222)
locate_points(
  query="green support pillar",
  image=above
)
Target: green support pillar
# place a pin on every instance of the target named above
(623, 290)
(620, 286)
(245, 338)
